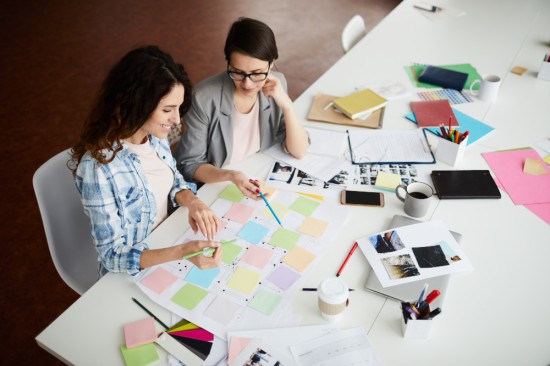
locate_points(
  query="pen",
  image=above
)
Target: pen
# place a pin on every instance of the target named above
(207, 250)
(314, 289)
(269, 206)
(350, 149)
(421, 297)
(150, 313)
(347, 259)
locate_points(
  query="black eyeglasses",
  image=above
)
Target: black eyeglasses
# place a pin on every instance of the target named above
(253, 76)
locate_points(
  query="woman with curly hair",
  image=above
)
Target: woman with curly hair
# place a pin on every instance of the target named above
(125, 172)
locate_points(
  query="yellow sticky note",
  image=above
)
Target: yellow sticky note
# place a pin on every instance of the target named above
(299, 258)
(316, 196)
(244, 280)
(534, 167)
(547, 159)
(387, 181)
(313, 227)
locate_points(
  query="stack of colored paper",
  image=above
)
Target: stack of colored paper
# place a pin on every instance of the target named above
(196, 339)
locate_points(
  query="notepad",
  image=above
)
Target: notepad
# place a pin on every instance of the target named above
(387, 181)
(359, 103)
(433, 113)
(140, 332)
(444, 78)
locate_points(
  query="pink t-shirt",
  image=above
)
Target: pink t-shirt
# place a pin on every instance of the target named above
(159, 176)
(246, 133)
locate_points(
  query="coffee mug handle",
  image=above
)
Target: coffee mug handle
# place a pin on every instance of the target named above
(472, 87)
(403, 187)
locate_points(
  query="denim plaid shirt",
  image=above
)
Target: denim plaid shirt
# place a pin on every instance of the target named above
(120, 206)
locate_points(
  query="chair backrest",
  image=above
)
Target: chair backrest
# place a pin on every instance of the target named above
(66, 225)
(353, 32)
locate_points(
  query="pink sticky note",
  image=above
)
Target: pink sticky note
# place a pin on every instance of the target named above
(257, 256)
(159, 280)
(239, 213)
(140, 332)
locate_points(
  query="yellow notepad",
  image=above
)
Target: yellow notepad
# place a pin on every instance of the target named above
(387, 181)
(359, 103)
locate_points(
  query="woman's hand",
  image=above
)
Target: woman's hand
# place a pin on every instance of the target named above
(203, 219)
(245, 185)
(273, 89)
(202, 261)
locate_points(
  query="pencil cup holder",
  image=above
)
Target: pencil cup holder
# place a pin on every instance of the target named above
(544, 72)
(450, 152)
(415, 328)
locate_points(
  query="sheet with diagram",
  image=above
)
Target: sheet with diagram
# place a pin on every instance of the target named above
(259, 273)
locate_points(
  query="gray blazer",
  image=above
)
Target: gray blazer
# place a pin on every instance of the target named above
(208, 137)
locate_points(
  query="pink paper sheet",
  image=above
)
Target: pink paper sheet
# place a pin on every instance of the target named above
(542, 210)
(200, 334)
(523, 188)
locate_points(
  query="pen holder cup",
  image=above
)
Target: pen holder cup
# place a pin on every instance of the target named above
(544, 72)
(450, 152)
(415, 328)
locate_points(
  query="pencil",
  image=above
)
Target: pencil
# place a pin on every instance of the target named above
(150, 313)
(270, 208)
(347, 259)
(206, 250)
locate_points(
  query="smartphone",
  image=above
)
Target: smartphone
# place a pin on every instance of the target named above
(362, 198)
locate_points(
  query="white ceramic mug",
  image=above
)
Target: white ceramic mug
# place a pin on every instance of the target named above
(333, 298)
(488, 88)
(417, 198)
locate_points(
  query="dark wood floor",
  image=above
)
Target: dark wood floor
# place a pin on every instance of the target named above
(55, 54)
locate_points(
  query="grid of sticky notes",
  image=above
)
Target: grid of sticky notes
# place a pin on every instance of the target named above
(271, 253)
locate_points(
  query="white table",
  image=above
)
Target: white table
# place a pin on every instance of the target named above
(494, 315)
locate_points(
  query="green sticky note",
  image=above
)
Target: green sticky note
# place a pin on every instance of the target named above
(265, 302)
(229, 252)
(140, 355)
(284, 238)
(303, 205)
(189, 296)
(232, 193)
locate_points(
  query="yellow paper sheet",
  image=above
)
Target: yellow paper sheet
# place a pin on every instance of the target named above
(534, 167)
(299, 258)
(313, 227)
(244, 280)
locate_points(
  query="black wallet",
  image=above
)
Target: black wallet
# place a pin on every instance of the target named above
(457, 184)
(444, 78)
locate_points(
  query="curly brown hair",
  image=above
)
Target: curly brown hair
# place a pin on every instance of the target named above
(127, 98)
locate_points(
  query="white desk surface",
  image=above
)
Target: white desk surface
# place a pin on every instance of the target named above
(494, 315)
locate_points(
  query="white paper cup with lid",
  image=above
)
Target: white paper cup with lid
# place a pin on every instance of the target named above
(333, 298)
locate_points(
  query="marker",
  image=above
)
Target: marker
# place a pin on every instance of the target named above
(464, 135)
(431, 297)
(269, 206)
(347, 259)
(150, 313)
(432, 314)
(207, 251)
(314, 289)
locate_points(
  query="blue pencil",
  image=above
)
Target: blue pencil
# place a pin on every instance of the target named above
(270, 208)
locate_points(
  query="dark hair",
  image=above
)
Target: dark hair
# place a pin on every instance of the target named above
(253, 38)
(127, 98)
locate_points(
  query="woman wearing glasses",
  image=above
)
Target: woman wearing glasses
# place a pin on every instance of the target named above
(239, 112)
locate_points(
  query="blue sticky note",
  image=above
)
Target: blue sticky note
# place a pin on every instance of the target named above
(477, 128)
(253, 232)
(202, 277)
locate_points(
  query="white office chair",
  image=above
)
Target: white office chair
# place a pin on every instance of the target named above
(353, 32)
(66, 225)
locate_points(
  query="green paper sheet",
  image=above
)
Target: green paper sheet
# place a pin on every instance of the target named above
(305, 206)
(415, 70)
(230, 252)
(232, 193)
(265, 302)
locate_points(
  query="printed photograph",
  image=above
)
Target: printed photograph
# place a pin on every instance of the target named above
(387, 242)
(437, 255)
(261, 358)
(400, 266)
(282, 172)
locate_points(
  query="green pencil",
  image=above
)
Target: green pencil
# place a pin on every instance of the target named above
(207, 251)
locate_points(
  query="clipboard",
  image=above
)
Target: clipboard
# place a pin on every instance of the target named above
(398, 147)
(320, 113)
